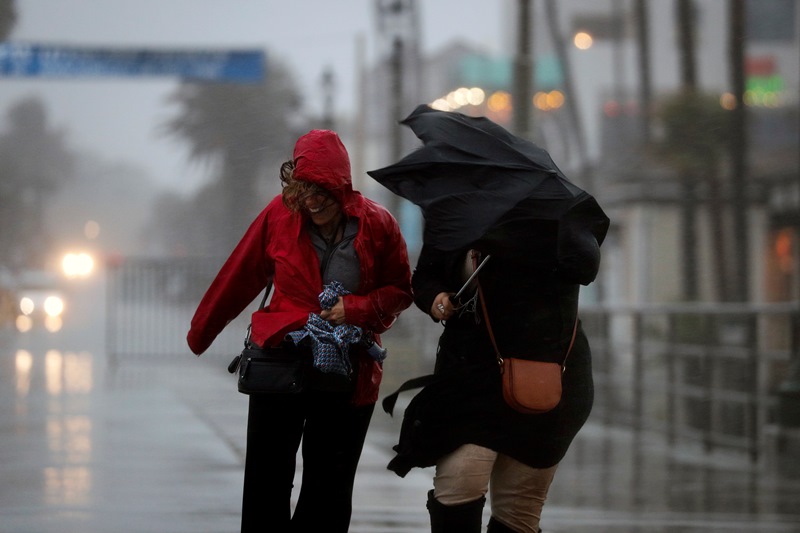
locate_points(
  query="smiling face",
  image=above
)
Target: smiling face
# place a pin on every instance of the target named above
(321, 207)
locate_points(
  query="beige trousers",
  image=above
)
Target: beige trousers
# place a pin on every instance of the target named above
(516, 491)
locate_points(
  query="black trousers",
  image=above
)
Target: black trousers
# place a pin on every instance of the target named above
(332, 431)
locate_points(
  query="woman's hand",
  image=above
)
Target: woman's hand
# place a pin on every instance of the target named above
(442, 308)
(334, 315)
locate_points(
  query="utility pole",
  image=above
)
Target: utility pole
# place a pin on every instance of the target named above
(357, 153)
(396, 98)
(523, 70)
(328, 89)
(398, 29)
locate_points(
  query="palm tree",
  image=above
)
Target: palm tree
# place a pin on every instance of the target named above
(34, 163)
(696, 132)
(244, 129)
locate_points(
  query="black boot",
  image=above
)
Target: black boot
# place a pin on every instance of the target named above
(462, 518)
(497, 527)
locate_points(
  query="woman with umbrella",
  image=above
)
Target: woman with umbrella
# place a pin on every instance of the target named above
(485, 194)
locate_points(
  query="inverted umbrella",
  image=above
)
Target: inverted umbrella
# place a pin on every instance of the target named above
(470, 172)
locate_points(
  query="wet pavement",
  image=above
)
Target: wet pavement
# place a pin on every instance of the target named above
(159, 448)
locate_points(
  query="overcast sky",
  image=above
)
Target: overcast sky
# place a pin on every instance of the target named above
(118, 118)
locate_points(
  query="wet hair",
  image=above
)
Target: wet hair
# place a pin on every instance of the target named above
(296, 191)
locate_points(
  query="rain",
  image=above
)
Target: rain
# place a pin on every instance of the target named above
(138, 141)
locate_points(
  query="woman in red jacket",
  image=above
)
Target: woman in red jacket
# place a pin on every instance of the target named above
(319, 230)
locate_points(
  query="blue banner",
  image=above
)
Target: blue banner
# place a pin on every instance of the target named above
(29, 60)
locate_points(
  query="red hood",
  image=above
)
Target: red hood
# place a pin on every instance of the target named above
(321, 158)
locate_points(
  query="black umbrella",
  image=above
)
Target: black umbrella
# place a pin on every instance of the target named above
(470, 172)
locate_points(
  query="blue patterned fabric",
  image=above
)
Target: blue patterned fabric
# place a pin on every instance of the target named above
(330, 344)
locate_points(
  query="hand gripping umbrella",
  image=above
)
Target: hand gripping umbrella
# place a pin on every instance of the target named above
(470, 172)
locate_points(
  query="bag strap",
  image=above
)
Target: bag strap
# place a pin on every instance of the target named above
(491, 332)
(233, 366)
(267, 290)
(489, 325)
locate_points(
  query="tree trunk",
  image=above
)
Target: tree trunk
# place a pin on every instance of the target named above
(645, 81)
(689, 180)
(738, 149)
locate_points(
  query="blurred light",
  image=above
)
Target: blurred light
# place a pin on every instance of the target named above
(612, 108)
(77, 265)
(23, 361)
(91, 230)
(461, 96)
(773, 100)
(26, 305)
(763, 98)
(766, 89)
(783, 250)
(499, 101)
(53, 306)
(548, 101)
(53, 371)
(440, 105)
(451, 100)
(78, 372)
(727, 101)
(24, 323)
(476, 96)
(53, 324)
(540, 101)
(70, 438)
(582, 40)
(555, 99)
(70, 485)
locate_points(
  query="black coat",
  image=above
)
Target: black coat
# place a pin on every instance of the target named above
(531, 286)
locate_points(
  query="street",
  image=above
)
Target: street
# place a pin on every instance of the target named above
(159, 447)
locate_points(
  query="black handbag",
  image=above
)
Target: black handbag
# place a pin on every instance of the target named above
(269, 371)
(278, 370)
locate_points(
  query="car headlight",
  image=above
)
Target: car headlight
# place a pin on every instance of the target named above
(78, 265)
(53, 306)
(26, 305)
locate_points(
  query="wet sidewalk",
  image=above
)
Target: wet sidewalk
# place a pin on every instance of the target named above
(160, 449)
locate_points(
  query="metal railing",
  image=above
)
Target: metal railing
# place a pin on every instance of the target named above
(149, 307)
(703, 374)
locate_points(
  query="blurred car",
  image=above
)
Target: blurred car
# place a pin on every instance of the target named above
(41, 301)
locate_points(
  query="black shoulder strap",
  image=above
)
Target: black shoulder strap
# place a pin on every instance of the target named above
(267, 290)
(414, 383)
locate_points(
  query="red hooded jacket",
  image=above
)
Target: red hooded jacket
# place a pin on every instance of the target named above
(277, 246)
